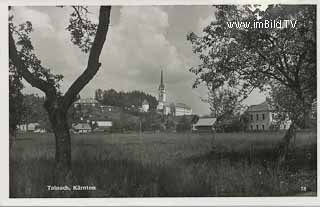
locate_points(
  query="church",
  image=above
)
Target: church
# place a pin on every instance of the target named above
(166, 108)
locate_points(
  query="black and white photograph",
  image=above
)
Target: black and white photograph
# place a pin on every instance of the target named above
(162, 101)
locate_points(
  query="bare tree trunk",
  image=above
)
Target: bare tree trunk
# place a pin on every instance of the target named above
(12, 137)
(306, 116)
(58, 119)
(284, 143)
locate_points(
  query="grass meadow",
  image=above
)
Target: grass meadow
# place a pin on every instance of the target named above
(168, 165)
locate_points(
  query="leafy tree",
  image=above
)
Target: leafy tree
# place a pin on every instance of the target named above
(248, 58)
(89, 38)
(34, 110)
(286, 104)
(223, 103)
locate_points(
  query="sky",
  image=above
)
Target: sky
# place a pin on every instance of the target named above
(141, 41)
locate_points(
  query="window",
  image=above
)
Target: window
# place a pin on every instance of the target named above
(257, 117)
(251, 127)
(262, 116)
(262, 127)
(257, 127)
(251, 116)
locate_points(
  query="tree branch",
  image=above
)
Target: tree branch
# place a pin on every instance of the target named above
(93, 61)
(23, 70)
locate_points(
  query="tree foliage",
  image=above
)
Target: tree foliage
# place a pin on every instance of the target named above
(224, 102)
(286, 105)
(248, 58)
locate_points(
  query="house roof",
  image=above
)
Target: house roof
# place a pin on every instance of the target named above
(191, 118)
(79, 126)
(205, 122)
(264, 106)
(86, 101)
(182, 105)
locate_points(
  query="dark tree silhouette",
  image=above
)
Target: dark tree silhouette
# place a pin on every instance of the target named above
(90, 38)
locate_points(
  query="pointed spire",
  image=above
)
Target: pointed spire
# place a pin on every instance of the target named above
(161, 80)
(161, 77)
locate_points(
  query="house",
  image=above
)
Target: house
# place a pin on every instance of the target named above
(30, 127)
(102, 125)
(109, 109)
(181, 109)
(205, 124)
(262, 117)
(86, 102)
(38, 130)
(81, 127)
(145, 106)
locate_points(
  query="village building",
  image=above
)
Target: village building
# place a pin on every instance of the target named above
(81, 128)
(181, 109)
(145, 106)
(30, 127)
(102, 125)
(107, 108)
(204, 124)
(262, 117)
(91, 102)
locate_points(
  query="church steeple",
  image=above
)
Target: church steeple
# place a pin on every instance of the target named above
(162, 90)
(161, 81)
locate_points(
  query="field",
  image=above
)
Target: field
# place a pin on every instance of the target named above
(168, 165)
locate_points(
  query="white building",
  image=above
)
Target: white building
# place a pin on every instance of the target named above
(102, 125)
(262, 116)
(145, 106)
(28, 127)
(86, 102)
(181, 109)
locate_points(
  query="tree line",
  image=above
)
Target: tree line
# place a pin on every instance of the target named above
(125, 100)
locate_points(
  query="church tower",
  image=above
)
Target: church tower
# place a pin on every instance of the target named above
(162, 90)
